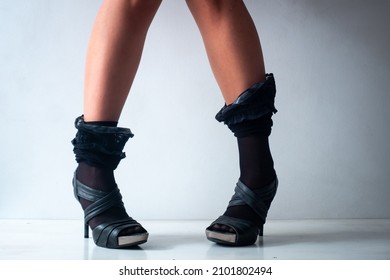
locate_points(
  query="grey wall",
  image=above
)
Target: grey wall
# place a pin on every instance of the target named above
(330, 137)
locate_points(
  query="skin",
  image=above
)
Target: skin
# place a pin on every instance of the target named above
(232, 44)
(113, 55)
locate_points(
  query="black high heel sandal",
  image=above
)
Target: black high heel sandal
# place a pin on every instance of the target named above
(107, 234)
(102, 146)
(246, 232)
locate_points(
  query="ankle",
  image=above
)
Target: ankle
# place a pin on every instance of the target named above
(258, 180)
(96, 177)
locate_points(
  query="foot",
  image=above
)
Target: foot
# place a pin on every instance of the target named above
(103, 180)
(241, 212)
(244, 212)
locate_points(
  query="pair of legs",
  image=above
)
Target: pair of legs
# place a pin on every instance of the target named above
(234, 52)
(118, 37)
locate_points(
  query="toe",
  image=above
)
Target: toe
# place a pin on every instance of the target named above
(132, 231)
(222, 228)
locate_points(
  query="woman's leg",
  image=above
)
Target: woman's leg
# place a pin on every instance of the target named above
(232, 44)
(234, 51)
(114, 54)
(113, 57)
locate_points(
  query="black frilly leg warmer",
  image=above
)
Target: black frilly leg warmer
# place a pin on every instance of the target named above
(251, 112)
(99, 146)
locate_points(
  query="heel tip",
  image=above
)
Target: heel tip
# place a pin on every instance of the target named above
(86, 231)
(261, 231)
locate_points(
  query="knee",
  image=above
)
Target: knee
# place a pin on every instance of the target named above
(214, 6)
(140, 12)
(144, 6)
(213, 12)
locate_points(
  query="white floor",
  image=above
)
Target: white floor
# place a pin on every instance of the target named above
(184, 240)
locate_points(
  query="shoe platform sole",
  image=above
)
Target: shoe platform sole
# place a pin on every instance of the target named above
(221, 237)
(132, 240)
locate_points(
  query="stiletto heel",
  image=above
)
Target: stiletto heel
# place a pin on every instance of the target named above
(261, 230)
(86, 230)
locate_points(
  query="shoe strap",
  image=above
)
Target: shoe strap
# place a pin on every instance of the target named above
(254, 198)
(101, 201)
(106, 233)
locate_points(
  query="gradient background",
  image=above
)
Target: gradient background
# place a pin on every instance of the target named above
(330, 139)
